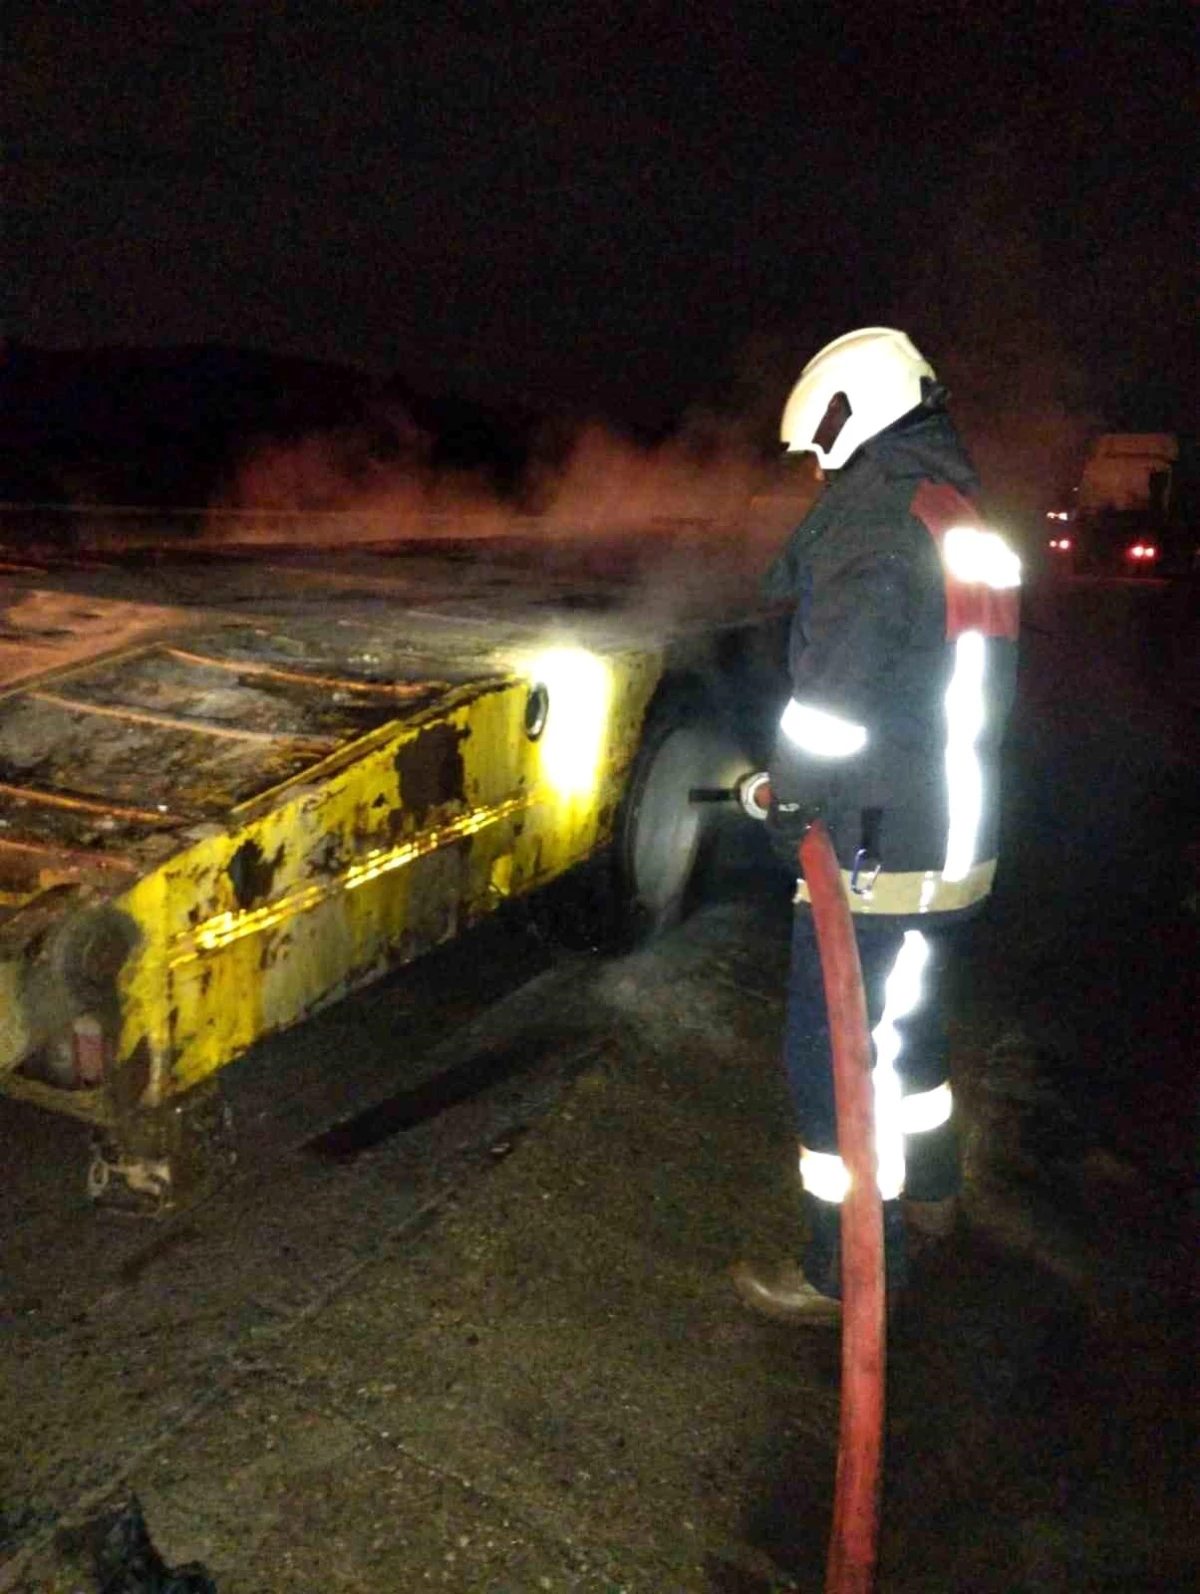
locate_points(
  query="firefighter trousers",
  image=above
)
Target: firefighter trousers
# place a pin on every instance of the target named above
(915, 1130)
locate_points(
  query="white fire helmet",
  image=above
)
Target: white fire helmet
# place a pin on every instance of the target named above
(877, 368)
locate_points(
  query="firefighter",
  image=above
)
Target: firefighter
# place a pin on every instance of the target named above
(902, 658)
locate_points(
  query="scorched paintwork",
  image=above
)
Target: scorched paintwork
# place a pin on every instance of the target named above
(217, 819)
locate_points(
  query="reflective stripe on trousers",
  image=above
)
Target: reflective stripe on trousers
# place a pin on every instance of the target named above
(822, 1173)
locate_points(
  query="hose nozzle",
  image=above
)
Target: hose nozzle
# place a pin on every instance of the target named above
(752, 793)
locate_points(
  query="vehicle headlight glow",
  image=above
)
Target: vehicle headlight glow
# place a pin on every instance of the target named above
(575, 690)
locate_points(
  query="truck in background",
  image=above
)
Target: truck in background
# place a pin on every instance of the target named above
(1134, 510)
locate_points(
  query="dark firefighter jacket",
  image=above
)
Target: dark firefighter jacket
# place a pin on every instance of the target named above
(905, 631)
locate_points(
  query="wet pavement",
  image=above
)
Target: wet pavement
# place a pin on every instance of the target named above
(460, 1317)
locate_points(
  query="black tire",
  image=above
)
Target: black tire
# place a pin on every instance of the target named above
(662, 836)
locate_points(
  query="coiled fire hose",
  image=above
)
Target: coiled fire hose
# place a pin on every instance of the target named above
(854, 1534)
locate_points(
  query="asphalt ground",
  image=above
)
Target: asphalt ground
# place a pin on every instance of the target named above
(481, 1337)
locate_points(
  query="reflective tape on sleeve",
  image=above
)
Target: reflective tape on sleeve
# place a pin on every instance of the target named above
(982, 573)
(981, 558)
(823, 735)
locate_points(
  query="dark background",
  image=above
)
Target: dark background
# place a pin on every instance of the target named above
(633, 208)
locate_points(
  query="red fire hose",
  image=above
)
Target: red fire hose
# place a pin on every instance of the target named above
(855, 1531)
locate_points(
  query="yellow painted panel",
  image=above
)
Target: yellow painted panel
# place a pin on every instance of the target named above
(391, 852)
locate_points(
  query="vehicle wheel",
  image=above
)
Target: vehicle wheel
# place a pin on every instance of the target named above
(662, 835)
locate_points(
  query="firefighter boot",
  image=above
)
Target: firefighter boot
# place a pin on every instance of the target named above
(783, 1292)
(805, 1294)
(811, 1294)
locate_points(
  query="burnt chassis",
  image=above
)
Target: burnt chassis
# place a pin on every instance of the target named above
(223, 813)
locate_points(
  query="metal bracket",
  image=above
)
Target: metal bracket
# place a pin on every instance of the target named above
(159, 1160)
(141, 1184)
(864, 873)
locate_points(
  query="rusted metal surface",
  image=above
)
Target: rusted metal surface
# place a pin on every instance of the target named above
(248, 667)
(43, 630)
(282, 782)
(82, 805)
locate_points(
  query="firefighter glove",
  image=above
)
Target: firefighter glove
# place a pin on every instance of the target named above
(786, 826)
(798, 796)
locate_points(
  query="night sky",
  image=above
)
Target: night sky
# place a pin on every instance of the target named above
(621, 204)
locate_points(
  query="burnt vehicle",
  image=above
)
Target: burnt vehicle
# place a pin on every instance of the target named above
(233, 789)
